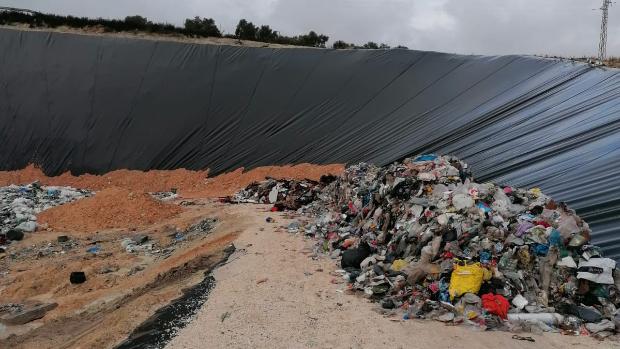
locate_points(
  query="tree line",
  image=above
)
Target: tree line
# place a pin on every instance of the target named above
(193, 27)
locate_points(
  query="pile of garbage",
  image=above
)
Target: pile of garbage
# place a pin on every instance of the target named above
(423, 239)
(19, 206)
(284, 194)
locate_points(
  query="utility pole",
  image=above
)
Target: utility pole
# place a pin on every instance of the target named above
(602, 46)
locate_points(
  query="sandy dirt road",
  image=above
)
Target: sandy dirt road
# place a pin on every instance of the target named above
(274, 295)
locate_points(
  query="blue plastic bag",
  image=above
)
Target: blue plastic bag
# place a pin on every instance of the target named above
(426, 157)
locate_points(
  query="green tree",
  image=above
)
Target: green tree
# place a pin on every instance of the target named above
(201, 27)
(339, 45)
(313, 39)
(371, 45)
(266, 34)
(136, 22)
(246, 30)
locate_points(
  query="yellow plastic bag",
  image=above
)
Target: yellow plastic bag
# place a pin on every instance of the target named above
(465, 279)
(399, 265)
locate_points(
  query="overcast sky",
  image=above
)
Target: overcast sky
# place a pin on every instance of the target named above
(557, 27)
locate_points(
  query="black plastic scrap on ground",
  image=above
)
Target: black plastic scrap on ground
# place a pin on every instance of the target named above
(161, 327)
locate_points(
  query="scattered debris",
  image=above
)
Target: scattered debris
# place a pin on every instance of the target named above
(110, 268)
(94, 249)
(520, 338)
(19, 206)
(165, 195)
(205, 226)
(136, 243)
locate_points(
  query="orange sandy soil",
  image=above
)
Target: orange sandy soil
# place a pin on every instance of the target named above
(103, 310)
(189, 183)
(110, 208)
(122, 200)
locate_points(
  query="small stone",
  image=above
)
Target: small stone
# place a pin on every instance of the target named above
(108, 269)
(135, 269)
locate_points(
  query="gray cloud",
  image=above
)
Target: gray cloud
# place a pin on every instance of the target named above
(556, 27)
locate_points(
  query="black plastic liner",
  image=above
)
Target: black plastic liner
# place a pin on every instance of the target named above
(99, 103)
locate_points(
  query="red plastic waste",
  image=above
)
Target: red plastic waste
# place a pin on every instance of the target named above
(496, 304)
(543, 223)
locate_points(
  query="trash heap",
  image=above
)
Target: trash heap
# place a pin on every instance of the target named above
(19, 206)
(283, 194)
(422, 238)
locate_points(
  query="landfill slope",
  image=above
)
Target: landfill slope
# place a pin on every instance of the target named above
(93, 104)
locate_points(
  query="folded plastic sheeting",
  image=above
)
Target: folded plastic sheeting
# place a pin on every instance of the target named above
(99, 103)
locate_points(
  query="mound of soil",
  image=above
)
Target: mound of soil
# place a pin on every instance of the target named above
(110, 208)
(133, 180)
(189, 183)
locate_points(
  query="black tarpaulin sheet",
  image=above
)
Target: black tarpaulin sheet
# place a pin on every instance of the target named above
(99, 103)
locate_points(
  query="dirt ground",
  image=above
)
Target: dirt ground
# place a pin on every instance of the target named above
(275, 295)
(271, 293)
(123, 288)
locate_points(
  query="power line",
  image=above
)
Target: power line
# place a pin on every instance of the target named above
(602, 46)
